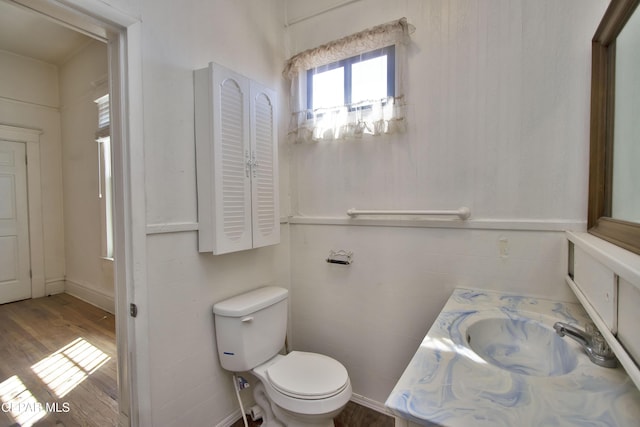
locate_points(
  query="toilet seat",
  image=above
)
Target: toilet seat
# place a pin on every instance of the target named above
(308, 376)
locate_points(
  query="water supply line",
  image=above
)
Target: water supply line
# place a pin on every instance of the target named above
(236, 386)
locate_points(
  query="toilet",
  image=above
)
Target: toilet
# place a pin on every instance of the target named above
(299, 389)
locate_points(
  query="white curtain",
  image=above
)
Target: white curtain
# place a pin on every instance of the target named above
(386, 115)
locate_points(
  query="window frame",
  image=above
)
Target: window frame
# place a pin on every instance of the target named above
(106, 195)
(105, 175)
(347, 64)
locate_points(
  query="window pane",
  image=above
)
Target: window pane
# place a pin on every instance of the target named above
(103, 111)
(369, 79)
(328, 88)
(108, 190)
(106, 195)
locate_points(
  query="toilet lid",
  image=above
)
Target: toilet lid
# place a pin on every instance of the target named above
(308, 375)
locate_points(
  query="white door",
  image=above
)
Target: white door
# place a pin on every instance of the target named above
(15, 280)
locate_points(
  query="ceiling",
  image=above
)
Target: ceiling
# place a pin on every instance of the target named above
(30, 34)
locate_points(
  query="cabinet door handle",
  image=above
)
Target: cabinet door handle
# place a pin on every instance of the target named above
(254, 163)
(247, 167)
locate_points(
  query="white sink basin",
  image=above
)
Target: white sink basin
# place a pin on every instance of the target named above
(523, 346)
(493, 359)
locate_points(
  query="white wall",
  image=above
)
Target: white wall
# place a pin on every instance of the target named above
(498, 117)
(188, 386)
(88, 276)
(29, 98)
(498, 95)
(504, 130)
(28, 80)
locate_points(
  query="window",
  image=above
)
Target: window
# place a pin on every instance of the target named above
(350, 87)
(105, 176)
(355, 82)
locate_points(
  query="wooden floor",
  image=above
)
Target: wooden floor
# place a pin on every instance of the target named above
(353, 415)
(57, 364)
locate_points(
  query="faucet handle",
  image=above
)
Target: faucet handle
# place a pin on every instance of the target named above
(599, 345)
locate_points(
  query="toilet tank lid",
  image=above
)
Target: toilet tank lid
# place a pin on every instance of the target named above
(250, 302)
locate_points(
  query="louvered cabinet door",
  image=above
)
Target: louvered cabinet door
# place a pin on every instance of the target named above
(264, 160)
(221, 101)
(231, 155)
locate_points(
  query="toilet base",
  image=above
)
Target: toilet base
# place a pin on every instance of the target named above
(295, 420)
(275, 416)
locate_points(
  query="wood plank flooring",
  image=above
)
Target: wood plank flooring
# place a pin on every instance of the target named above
(57, 364)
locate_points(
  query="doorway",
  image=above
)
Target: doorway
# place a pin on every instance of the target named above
(100, 22)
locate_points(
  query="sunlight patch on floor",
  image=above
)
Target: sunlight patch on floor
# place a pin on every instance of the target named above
(18, 401)
(66, 368)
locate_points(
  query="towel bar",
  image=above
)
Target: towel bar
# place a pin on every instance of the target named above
(462, 213)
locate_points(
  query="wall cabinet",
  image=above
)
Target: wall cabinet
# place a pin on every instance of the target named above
(236, 162)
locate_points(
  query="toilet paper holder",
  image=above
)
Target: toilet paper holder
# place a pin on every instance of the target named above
(340, 257)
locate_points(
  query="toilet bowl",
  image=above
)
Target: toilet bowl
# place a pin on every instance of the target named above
(299, 389)
(302, 389)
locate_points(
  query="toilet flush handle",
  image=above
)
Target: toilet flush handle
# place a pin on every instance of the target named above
(247, 319)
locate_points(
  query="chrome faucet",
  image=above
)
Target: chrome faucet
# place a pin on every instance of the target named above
(591, 341)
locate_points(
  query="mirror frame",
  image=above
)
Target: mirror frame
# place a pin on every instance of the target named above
(625, 234)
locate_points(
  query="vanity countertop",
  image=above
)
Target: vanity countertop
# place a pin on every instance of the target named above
(447, 384)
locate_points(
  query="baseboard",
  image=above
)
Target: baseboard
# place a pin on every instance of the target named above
(230, 419)
(92, 296)
(54, 286)
(370, 403)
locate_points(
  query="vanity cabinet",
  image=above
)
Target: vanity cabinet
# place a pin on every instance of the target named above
(606, 280)
(236, 162)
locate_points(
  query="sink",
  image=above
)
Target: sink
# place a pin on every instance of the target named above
(493, 359)
(522, 346)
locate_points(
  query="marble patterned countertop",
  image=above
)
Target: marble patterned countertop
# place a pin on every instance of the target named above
(448, 384)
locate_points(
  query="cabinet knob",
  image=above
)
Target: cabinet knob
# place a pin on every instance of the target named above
(254, 163)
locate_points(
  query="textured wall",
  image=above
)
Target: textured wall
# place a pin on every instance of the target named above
(498, 96)
(188, 386)
(83, 230)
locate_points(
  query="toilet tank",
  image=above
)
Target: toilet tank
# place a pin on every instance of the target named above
(251, 327)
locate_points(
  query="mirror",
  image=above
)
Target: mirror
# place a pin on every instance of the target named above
(614, 177)
(625, 190)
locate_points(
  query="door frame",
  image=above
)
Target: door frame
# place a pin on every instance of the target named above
(31, 139)
(123, 34)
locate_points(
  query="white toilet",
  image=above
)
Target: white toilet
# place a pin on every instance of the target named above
(299, 389)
